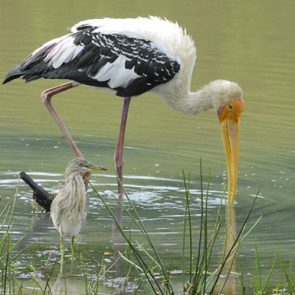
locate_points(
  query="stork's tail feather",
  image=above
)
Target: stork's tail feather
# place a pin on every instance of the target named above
(16, 72)
(33, 67)
(42, 197)
(13, 74)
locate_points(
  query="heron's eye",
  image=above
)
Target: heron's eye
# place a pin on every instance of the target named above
(230, 107)
(82, 165)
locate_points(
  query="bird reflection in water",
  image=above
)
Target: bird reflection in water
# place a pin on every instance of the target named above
(227, 280)
(64, 286)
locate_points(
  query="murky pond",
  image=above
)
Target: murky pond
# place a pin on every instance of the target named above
(247, 42)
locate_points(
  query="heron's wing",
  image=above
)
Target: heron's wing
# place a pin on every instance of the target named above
(128, 65)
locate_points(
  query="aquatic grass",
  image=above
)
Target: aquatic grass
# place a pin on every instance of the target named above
(287, 285)
(257, 277)
(187, 220)
(92, 283)
(289, 275)
(198, 278)
(7, 284)
(9, 254)
(200, 273)
(205, 281)
(261, 288)
(241, 235)
(147, 269)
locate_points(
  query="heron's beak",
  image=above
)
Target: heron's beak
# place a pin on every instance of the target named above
(96, 167)
(229, 116)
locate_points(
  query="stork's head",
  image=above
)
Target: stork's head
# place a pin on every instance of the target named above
(230, 105)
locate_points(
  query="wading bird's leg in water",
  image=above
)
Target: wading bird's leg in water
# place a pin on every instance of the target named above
(62, 251)
(119, 163)
(46, 98)
(119, 160)
(73, 247)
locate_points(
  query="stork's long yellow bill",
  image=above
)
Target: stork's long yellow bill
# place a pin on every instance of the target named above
(229, 117)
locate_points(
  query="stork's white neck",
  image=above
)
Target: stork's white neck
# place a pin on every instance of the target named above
(196, 102)
(212, 95)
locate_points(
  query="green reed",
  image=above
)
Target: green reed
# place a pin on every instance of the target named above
(7, 245)
(200, 275)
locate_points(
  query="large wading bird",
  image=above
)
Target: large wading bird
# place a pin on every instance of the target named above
(131, 57)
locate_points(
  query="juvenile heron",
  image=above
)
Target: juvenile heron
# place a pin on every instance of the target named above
(68, 209)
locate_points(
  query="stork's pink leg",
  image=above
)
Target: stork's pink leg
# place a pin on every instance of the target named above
(46, 98)
(119, 160)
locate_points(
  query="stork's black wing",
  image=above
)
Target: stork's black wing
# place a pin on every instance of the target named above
(130, 66)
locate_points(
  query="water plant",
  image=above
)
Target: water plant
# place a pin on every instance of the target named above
(8, 283)
(200, 275)
(148, 271)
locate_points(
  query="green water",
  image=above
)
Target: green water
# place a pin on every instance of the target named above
(250, 42)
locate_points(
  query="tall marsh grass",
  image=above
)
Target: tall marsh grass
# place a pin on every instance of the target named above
(200, 275)
(7, 245)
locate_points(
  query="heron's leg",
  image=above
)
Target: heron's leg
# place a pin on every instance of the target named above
(73, 247)
(34, 205)
(62, 252)
(46, 98)
(119, 160)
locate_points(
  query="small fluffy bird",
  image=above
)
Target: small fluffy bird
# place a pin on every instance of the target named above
(68, 209)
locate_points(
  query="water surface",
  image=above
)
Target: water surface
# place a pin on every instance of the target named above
(247, 42)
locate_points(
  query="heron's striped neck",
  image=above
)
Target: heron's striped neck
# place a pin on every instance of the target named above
(75, 191)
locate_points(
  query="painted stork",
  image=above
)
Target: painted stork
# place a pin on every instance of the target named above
(132, 56)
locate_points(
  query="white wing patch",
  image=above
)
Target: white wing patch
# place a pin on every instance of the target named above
(116, 73)
(63, 52)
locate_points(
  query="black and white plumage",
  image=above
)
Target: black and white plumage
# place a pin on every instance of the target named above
(132, 56)
(129, 65)
(40, 195)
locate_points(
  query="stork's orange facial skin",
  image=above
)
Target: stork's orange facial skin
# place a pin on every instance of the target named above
(229, 118)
